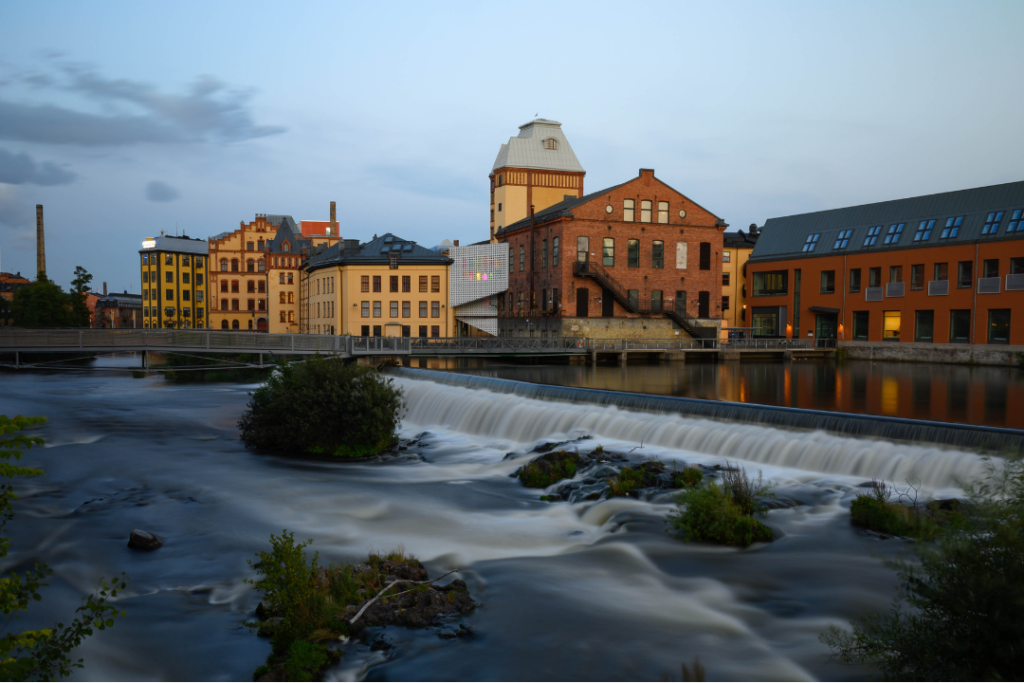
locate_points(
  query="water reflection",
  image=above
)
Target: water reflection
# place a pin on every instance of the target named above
(947, 393)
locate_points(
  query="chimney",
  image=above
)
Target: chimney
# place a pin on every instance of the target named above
(456, 243)
(40, 244)
(334, 221)
(104, 289)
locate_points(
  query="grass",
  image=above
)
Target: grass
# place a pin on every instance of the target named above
(877, 511)
(549, 469)
(723, 513)
(687, 478)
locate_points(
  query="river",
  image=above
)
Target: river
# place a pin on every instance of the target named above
(595, 590)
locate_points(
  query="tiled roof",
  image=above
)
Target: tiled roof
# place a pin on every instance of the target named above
(376, 252)
(528, 150)
(785, 237)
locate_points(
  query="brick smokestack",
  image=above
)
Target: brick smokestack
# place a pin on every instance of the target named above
(40, 244)
(104, 289)
(334, 220)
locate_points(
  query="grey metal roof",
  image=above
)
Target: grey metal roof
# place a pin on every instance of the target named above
(376, 252)
(116, 300)
(785, 237)
(180, 245)
(739, 239)
(527, 150)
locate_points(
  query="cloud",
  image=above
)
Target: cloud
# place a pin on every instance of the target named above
(130, 112)
(157, 191)
(429, 181)
(15, 211)
(18, 169)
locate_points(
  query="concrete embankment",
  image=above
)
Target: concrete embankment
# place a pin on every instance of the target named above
(968, 354)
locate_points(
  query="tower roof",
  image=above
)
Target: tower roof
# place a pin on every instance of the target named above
(531, 149)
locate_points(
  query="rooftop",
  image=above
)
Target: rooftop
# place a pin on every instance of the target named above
(181, 245)
(531, 149)
(376, 252)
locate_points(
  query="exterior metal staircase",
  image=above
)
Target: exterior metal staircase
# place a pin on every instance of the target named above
(677, 314)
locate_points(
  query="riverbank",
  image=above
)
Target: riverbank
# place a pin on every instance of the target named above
(917, 352)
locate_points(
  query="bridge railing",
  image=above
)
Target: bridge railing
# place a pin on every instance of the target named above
(488, 345)
(652, 344)
(198, 340)
(768, 344)
(367, 346)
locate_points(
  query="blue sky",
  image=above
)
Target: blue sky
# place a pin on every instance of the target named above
(125, 119)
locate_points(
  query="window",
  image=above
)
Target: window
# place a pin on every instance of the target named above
(376, 283)
(280, 278)
(250, 266)
(726, 256)
(290, 280)
(250, 286)
(283, 317)
(394, 309)
(365, 309)
(811, 242)
(423, 330)
(554, 251)
(658, 254)
(168, 259)
(872, 236)
(291, 297)
(186, 261)
(959, 326)
(771, 283)
(261, 266)
(1016, 221)
(992, 222)
(765, 322)
(423, 283)
(645, 211)
(608, 252)
(393, 261)
(406, 331)
(223, 265)
(952, 228)
(725, 279)
(941, 271)
(663, 212)
(435, 283)
(169, 295)
(168, 276)
(628, 206)
(551, 143)
(522, 257)
(406, 283)
(582, 249)
(285, 246)
(965, 274)
(875, 277)
(199, 278)
(828, 281)
(376, 309)
(917, 276)
(234, 265)
(842, 239)
(261, 286)
(252, 305)
(658, 298)
(423, 309)
(633, 253)
(924, 230)
(890, 326)
(990, 267)
(634, 297)
(406, 309)
(544, 254)
(394, 283)
(364, 283)
(895, 273)
(435, 309)
(282, 298)
(185, 295)
(248, 246)
(1016, 265)
(860, 324)
(725, 303)
(705, 255)
(924, 325)
(894, 234)
(234, 306)
(435, 330)
(999, 326)
(854, 280)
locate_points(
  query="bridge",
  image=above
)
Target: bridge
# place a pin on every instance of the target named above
(15, 342)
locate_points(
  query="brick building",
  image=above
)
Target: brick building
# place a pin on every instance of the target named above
(942, 268)
(118, 311)
(639, 259)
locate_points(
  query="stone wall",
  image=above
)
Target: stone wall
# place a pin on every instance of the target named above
(977, 354)
(596, 328)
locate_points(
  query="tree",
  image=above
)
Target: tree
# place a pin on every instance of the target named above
(39, 654)
(80, 315)
(965, 594)
(5, 311)
(41, 304)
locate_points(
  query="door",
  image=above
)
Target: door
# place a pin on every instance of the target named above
(703, 304)
(582, 301)
(607, 304)
(825, 328)
(261, 325)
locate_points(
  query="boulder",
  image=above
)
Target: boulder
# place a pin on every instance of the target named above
(144, 540)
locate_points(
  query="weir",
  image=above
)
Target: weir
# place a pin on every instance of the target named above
(973, 437)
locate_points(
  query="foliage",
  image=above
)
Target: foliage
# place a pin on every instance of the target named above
(80, 316)
(305, 661)
(40, 654)
(549, 469)
(5, 311)
(723, 514)
(42, 304)
(877, 511)
(323, 406)
(687, 478)
(959, 611)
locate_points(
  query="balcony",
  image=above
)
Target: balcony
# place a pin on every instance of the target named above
(938, 288)
(894, 289)
(989, 285)
(873, 294)
(1015, 282)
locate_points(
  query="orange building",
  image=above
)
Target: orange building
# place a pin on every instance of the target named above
(943, 268)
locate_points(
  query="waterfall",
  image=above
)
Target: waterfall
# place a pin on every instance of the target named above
(830, 443)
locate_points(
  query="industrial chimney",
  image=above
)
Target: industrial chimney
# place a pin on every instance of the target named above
(40, 244)
(104, 289)
(334, 221)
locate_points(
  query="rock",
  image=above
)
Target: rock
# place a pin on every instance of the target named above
(144, 540)
(380, 645)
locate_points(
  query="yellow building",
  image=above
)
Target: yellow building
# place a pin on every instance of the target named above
(736, 249)
(286, 252)
(388, 287)
(174, 281)
(536, 168)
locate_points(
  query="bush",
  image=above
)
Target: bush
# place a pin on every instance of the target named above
(549, 469)
(323, 407)
(722, 514)
(878, 512)
(965, 595)
(688, 478)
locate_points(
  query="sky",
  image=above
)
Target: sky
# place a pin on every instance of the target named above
(124, 118)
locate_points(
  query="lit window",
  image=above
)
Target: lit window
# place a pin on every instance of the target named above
(872, 236)
(726, 256)
(663, 212)
(628, 206)
(645, 211)
(991, 226)
(1016, 221)
(952, 228)
(811, 242)
(924, 230)
(842, 239)
(894, 234)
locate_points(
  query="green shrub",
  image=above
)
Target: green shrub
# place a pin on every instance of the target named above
(959, 610)
(876, 511)
(723, 514)
(687, 479)
(305, 661)
(323, 407)
(633, 477)
(549, 469)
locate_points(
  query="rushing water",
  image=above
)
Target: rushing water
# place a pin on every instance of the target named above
(595, 590)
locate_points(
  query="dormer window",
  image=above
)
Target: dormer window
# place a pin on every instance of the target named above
(551, 143)
(285, 246)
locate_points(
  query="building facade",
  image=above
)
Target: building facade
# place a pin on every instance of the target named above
(118, 311)
(535, 169)
(174, 281)
(478, 277)
(736, 249)
(640, 256)
(942, 268)
(387, 287)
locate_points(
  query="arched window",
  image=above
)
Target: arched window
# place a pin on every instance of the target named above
(290, 281)
(223, 265)
(261, 266)
(282, 278)
(234, 265)
(259, 245)
(285, 246)
(234, 324)
(250, 266)
(223, 324)
(551, 143)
